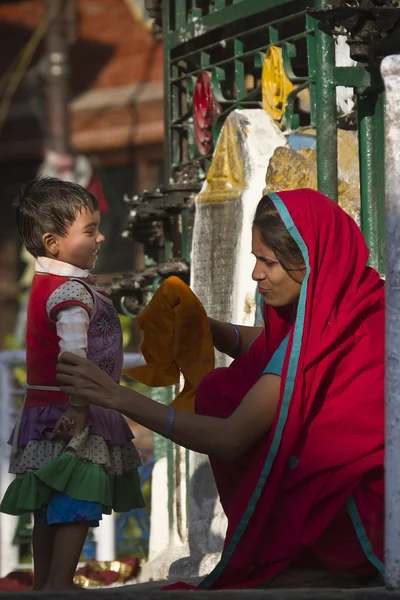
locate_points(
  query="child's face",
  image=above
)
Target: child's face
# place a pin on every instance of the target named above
(81, 245)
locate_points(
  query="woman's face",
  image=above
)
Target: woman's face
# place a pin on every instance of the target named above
(276, 285)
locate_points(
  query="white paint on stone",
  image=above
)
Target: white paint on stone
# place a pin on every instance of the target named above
(345, 97)
(168, 540)
(263, 137)
(391, 75)
(221, 277)
(222, 265)
(105, 538)
(159, 538)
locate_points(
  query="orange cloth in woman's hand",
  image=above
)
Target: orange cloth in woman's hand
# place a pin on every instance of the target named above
(177, 339)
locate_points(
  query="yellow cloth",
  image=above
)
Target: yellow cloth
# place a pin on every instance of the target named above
(177, 339)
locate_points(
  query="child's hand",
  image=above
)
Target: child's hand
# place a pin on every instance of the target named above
(71, 423)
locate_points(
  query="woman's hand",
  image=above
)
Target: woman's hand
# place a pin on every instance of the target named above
(80, 377)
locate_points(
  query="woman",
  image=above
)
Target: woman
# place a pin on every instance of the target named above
(295, 426)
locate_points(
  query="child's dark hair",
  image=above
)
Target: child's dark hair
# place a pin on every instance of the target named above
(49, 204)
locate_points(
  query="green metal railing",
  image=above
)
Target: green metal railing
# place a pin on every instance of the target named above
(228, 39)
(231, 47)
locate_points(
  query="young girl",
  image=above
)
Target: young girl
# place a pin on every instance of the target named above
(67, 483)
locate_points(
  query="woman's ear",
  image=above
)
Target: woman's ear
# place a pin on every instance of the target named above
(50, 243)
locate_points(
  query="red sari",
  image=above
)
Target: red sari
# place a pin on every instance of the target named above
(312, 489)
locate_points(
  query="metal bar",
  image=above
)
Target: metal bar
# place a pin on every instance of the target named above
(223, 18)
(311, 59)
(352, 76)
(367, 148)
(16, 358)
(326, 114)
(175, 106)
(239, 69)
(180, 13)
(13, 357)
(390, 69)
(167, 95)
(273, 35)
(191, 144)
(380, 177)
(248, 54)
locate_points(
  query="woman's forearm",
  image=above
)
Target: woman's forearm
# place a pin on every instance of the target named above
(207, 435)
(225, 338)
(224, 438)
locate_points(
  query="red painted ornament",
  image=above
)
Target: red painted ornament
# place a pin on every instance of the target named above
(205, 108)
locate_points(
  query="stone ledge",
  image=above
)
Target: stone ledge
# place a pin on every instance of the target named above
(151, 591)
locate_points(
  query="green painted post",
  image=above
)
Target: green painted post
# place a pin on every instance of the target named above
(167, 92)
(380, 177)
(186, 241)
(175, 101)
(311, 25)
(367, 152)
(326, 114)
(180, 13)
(239, 70)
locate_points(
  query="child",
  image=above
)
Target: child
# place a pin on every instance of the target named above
(67, 483)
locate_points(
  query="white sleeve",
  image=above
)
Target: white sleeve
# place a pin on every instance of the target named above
(72, 323)
(70, 293)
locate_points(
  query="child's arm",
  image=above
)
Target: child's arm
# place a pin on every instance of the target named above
(72, 323)
(69, 307)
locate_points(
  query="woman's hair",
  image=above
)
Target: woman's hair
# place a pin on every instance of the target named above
(276, 236)
(49, 205)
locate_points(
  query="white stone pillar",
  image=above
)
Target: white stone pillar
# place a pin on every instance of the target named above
(168, 528)
(221, 270)
(8, 552)
(391, 76)
(188, 544)
(105, 538)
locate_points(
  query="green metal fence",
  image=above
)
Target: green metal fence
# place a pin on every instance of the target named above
(228, 40)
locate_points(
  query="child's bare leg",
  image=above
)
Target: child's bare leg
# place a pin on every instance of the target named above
(42, 542)
(69, 539)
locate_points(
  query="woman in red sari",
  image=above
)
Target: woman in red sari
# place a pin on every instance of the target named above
(295, 426)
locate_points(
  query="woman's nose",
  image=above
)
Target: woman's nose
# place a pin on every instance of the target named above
(257, 274)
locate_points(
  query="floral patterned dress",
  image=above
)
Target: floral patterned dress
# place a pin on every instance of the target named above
(101, 463)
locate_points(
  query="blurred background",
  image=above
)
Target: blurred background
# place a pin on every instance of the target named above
(81, 98)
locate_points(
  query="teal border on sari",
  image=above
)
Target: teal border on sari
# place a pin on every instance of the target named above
(362, 535)
(287, 396)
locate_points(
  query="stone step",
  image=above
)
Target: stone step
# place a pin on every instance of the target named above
(152, 591)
